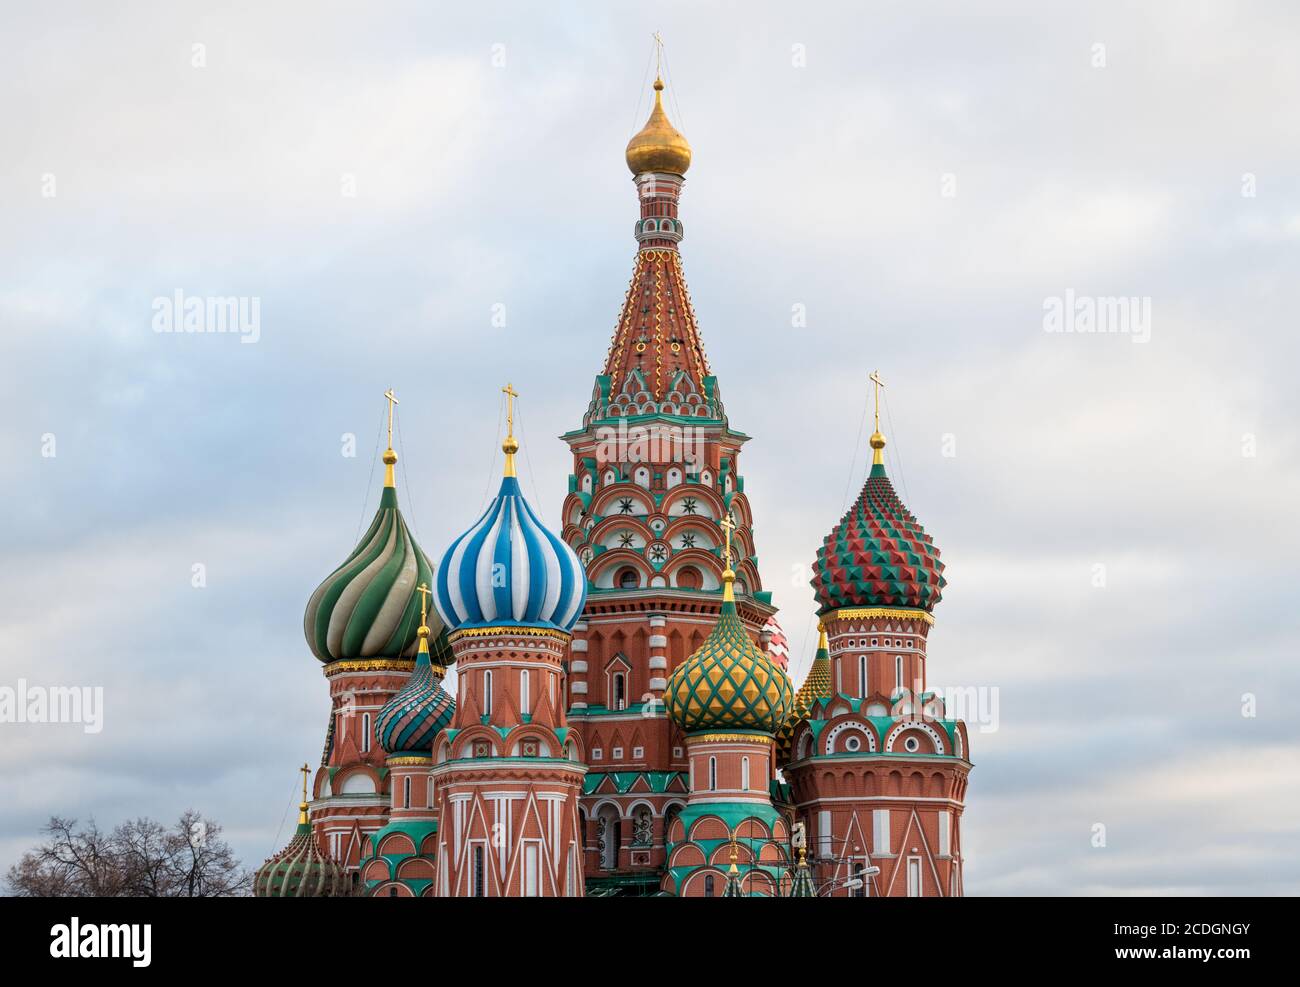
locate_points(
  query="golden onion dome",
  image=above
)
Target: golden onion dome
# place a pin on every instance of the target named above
(658, 146)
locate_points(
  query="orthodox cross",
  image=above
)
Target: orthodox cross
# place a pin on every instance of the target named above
(425, 593)
(878, 384)
(659, 48)
(304, 769)
(510, 393)
(392, 400)
(726, 524)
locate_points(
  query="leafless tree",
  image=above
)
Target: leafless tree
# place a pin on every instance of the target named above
(140, 858)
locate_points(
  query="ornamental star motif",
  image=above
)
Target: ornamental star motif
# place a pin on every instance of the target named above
(625, 505)
(688, 505)
(625, 539)
(688, 540)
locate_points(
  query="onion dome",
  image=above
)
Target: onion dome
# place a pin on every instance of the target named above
(729, 682)
(367, 607)
(816, 685)
(408, 723)
(878, 555)
(300, 870)
(658, 146)
(508, 568)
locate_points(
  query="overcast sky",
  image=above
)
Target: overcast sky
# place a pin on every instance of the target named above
(1117, 511)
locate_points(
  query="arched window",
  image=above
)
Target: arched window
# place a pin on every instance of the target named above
(523, 693)
(406, 792)
(628, 579)
(708, 885)
(688, 578)
(487, 693)
(620, 690)
(365, 731)
(713, 774)
(428, 792)
(744, 773)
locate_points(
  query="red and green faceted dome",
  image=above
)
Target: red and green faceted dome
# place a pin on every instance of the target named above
(878, 555)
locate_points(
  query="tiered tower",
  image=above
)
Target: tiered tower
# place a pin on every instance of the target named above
(656, 466)
(507, 771)
(362, 622)
(403, 854)
(877, 770)
(729, 699)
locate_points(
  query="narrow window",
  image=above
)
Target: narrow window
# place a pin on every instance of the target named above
(478, 872)
(744, 773)
(898, 671)
(914, 877)
(487, 693)
(523, 692)
(713, 774)
(945, 833)
(620, 691)
(862, 676)
(406, 792)
(708, 885)
(824, 834)
(880, 831)
(428, 792)
(861, 890)
(530, 870)
(365, 731)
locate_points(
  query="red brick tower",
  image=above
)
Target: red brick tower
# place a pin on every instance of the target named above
(362, 623)
(877, 769)
(656, 466)
(507, 772)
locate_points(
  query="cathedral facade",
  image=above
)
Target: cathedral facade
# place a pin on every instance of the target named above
(623, 722)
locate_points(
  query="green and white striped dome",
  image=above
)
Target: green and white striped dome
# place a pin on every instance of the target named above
(368, 607)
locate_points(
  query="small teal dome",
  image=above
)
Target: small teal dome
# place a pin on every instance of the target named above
(508, 569)
(410, 721)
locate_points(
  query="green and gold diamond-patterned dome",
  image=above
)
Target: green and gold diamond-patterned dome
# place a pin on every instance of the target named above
(816, 685)
(729, 683)
(300, 870)
(368, 606)
(878, 555)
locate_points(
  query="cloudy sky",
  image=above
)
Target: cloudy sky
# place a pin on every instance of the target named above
(926, 181)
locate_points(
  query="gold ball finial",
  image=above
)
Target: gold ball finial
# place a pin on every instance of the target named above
(877, 440)
(390, 457)
(510, 446)
(659, 146)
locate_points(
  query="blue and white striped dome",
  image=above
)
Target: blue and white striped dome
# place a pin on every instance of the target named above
(509, 570)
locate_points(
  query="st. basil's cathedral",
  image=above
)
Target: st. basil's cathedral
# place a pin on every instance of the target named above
(623, 722)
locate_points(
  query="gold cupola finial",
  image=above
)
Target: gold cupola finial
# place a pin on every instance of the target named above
(658, 146)
(822, 644)
(728, 574)
(877, 439)
(390, 457)
(511, 445)
(302, 806)
(423, 629)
